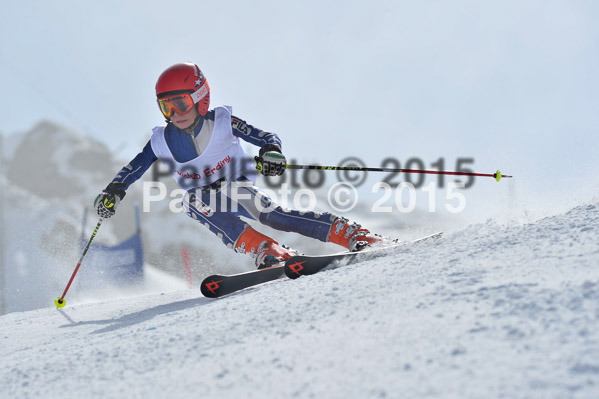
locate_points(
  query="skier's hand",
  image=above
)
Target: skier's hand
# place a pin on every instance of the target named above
(106, 202)
(271, 162)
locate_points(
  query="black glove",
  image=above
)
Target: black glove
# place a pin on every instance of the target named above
(106, 202)
(271, 162)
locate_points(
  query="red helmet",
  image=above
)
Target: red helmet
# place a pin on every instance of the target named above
(185, 77)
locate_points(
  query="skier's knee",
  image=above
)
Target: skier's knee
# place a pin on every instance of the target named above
(196, 208)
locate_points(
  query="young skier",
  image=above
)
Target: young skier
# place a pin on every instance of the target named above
(202, 149)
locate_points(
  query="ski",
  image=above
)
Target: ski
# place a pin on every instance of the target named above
(218, 285)
(304, 265)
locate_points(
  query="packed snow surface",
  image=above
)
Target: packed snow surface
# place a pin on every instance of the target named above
(494, 310)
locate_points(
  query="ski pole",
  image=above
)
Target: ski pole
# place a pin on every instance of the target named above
(60, 302)
(497, 175)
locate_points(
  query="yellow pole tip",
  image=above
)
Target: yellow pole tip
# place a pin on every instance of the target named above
(59, 302)
(497, 175)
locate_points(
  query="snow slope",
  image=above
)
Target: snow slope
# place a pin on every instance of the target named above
(490, 311)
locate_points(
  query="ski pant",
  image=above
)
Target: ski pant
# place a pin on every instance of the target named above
(221, 211)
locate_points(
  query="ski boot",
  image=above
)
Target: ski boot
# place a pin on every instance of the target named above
(353, 236)
(265, 251)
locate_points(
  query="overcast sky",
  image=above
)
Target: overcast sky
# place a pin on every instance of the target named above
(513, 84)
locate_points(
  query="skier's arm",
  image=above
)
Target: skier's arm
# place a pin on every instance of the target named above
(254, 135)
(137, 167)
(271, 161)
(107, 201)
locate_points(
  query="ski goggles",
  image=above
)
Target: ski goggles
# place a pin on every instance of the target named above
(181, 103)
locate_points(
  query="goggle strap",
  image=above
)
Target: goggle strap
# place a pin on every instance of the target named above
(200, 93)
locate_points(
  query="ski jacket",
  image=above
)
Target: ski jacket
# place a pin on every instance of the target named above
(185, 146)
